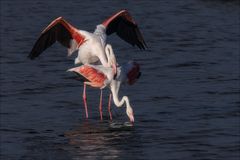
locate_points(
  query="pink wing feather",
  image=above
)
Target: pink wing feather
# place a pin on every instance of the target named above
(95, 77)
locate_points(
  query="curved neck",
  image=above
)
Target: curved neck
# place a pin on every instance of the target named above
(119, 103)
(114, 86)
(110, 55)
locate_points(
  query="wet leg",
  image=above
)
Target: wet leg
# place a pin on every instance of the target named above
(85, 100)
(100, 105)
(109, 106)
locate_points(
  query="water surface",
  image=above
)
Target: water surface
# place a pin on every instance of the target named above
(186, 102)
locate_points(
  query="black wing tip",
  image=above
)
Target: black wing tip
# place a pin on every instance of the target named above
(145, 45)
(80, 77)
(142, 46)
(30, 57)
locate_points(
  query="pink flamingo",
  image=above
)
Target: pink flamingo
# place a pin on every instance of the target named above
(90, 46)
(99, 76)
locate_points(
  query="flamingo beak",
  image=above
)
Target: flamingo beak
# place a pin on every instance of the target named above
(131, 117)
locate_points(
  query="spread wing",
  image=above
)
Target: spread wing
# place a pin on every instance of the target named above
(125, 27)
(59, 30)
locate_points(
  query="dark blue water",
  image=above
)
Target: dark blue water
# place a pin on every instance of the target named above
(186, 102)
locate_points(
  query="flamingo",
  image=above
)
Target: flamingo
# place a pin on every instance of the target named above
(90, 46)
(100, 77)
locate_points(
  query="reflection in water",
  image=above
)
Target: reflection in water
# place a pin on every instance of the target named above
(102, 141)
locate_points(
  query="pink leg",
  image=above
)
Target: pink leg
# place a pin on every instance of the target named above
(100, 105)
(109, 106)
(85, 100)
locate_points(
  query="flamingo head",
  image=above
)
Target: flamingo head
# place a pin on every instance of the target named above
(130, 114)
(133, 72)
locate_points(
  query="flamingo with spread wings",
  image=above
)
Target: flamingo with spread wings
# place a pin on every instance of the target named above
(90, 46)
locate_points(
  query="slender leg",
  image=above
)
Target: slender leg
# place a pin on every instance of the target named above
(109, 106)
(100, 105)
(85, 100)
